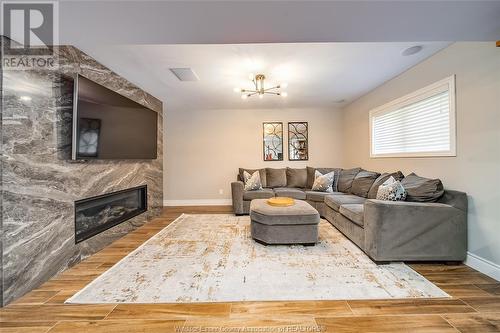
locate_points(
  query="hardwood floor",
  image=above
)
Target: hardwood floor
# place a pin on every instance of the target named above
(475, 306)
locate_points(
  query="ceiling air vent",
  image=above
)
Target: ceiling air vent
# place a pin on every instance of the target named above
(185, 74)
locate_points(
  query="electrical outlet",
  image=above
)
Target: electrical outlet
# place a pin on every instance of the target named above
(221, 191)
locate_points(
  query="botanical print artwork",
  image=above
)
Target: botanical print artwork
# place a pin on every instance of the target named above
(212, 258)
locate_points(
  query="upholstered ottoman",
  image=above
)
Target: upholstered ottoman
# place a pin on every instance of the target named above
(297, 224)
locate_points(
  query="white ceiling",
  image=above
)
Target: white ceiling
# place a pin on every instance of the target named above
(318, 74)
(227, 22)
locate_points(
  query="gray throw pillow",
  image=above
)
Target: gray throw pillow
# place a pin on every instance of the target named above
(252, 182)
(323, 183)
(422, 189)
(391, 190)
(363, 182)
(345, 179)
(323, 171)
(372, 193)
(262, 173)
(296, 177)
(276, 177)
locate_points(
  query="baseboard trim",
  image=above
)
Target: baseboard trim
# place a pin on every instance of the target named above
(484, 266)
(198, 202)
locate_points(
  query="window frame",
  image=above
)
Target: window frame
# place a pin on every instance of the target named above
(448, 84)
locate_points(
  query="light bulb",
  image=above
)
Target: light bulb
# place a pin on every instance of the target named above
(244, 96)
(284, 94)
(283, 85)
(25, 98)
(237, 90)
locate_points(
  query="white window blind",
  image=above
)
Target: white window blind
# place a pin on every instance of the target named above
(419, 124)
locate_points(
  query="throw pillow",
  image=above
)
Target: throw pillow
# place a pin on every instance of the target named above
(345, 179)
(262, 173)
(311, 171)
(422, 189)
(372, 193)
(252, 182)
(391, 190)
(363, 182)
(323, 183)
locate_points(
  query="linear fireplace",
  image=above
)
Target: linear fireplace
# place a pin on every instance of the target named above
(97, 214)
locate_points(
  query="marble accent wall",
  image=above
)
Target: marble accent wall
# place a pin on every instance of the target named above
(2, 39)
(39, 181)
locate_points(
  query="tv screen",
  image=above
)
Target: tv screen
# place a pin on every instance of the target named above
(107, 125)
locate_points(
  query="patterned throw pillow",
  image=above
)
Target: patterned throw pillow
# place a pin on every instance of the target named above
(323, 183)
(252, 182)
(391, 190)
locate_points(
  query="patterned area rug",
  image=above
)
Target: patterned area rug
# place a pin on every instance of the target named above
(212, 258)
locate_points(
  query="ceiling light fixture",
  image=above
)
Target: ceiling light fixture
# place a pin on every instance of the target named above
(260, 90)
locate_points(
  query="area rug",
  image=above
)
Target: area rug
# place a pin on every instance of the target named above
(212, 258)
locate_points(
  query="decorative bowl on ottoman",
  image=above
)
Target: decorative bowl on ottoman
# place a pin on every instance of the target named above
(296, 224)
(281, 201)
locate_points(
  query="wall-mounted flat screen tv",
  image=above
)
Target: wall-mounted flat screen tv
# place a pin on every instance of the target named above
(107, 125)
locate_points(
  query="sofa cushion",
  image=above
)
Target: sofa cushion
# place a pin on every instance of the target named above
(363, 182)
(258, 194)
(323, 171)
(296, 177)
(354, 212)
(290, 192)
(262, 173)
(319, 196)
(422, 189)
(335, 201)
(345, 179)
(372, 193)
(275, 177)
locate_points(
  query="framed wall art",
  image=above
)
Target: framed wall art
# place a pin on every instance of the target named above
(273, 141)
(298, 145)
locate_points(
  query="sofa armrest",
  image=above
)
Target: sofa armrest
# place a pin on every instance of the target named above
(237, 189)
(400, 230)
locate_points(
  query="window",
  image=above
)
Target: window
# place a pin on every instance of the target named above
(416, 125)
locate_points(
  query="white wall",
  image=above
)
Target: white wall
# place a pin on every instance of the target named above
(205, 148)
(476, 168)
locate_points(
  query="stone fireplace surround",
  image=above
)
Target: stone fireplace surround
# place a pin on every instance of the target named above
(39, 182)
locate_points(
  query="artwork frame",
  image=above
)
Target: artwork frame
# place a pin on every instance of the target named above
(298, 141)
(272, 141)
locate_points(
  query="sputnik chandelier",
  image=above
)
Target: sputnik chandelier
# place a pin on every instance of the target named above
(260, 90)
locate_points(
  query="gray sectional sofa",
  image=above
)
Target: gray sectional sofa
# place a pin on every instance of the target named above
(430, 226)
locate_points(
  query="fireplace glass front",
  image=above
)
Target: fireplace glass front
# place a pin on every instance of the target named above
(97, 214)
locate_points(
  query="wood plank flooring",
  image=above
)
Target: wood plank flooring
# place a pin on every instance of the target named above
(475, 306)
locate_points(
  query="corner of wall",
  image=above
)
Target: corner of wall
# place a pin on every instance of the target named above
(484, 266)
